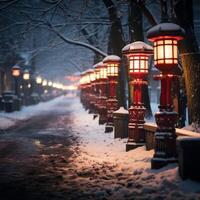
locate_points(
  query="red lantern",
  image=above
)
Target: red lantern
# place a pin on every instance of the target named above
(112, 62)
(137, 53)
(165, 37)
(16, 71)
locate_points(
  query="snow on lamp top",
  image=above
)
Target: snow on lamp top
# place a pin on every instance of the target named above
(138, 53)
(166, 30)
(165, 37)
(112, 62)
(138, 47)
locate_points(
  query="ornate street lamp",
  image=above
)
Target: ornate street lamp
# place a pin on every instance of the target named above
(39, 80)
(103, 93)
(44, 83)
(165, 37)
(16, 72)
(112, 62)
(50, 83)
(26, 75)
(26, 89)
(138, 54)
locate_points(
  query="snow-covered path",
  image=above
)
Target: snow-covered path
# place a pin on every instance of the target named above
(107, 171)
(59, 152)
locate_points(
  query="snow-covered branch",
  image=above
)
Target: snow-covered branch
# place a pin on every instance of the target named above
(70, 41)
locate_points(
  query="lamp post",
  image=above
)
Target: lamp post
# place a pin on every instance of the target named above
(97, 88)
(112, 63)
(103, 93)
(16, 71)
(165, 37)
(26, 79)
(138, 53)
(92, 90)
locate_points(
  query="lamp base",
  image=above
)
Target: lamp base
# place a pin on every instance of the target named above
(102, 119)
(109, 128)
(133, 145)
(157, 163)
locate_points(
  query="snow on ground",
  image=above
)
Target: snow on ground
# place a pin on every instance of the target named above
(101, 169)
(8, 120)
(125, 175)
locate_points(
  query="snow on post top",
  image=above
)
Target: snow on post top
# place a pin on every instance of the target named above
(90, 71)
(121, 110)
(166, 29)
(138, 47)
(98, 65)
(111, 58)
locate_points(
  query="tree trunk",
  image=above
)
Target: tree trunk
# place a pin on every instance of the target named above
(137, 34)
(190, 58)
(115, 45)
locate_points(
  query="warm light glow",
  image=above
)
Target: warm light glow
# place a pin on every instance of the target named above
(97, 74)
(92, 76)
(165, 51)
(112, 69)
(71, 87)
(26, 75)
(44, 82)
(16, 71)
(138, 64)
(103, 72)
(50, 83)
(38, 80)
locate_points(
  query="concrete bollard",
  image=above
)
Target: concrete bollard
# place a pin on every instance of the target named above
(120, 118)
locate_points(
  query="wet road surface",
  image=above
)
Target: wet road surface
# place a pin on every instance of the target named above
(33, 155)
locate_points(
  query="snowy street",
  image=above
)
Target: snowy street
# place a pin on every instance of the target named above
(55, 150)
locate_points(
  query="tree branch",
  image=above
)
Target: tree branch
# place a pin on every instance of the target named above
(146, 12)
(52, 28)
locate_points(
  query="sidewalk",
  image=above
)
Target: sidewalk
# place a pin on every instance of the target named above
(115, 174)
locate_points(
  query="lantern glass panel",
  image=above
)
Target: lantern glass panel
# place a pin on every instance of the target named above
(176, 53)
(165, 51)
(26, 76)
(97, 74)
(160, 52)
(168, 51)
(16, 72)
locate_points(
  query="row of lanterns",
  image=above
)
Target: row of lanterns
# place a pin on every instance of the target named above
(94, 83)
(16, 72)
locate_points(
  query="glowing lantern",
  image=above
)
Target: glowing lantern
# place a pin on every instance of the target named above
(112, 62)
(50, 83)
(26, 75)
(44, 82)
(165, 37)
(138, 53)
(38, 80)
(102, 70)
(16, 71)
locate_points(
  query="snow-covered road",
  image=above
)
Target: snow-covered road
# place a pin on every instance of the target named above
(58, 151)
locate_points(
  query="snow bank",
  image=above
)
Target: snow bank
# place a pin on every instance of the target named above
(8, 120)
(121, 174)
